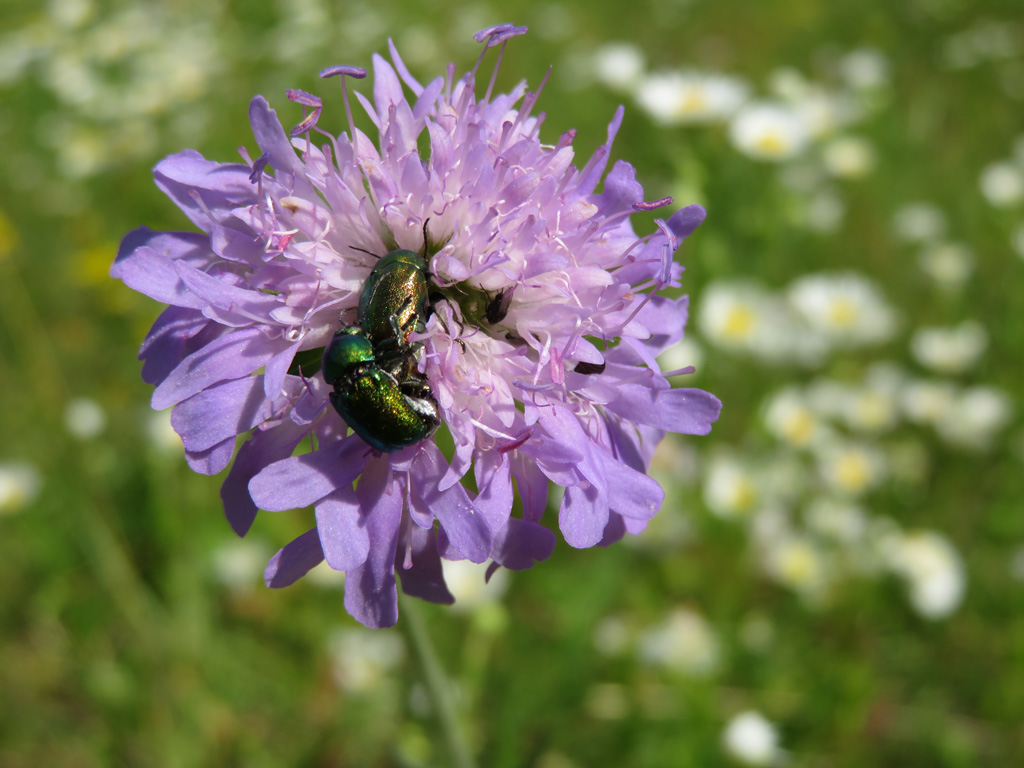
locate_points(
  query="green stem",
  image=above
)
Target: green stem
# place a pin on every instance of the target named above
(438, 686)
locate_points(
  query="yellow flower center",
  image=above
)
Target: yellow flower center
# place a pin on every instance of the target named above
(853, 471)
(842, 313)
(695, 100)
(771, 144)
(739, 323)
(799, 427)
(798, 565)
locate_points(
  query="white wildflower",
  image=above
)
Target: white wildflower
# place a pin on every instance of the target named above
(919, 223)
(795, 561)
(865, 68)
(19, 485)
(238, 564)
(684, 642)
(851, 468)
(839, 520)
(949, 350)
(466, 581)
(925, 402)
(769, 131)
(948, 264)
(84, 418)
(362, 658)
(690, 96)
(934, 573)
(752, 739)
(846, 307)
(619, 65)
(790, 417)
(848, 157)
(730, 488)
(975, 417)
(1002, 184)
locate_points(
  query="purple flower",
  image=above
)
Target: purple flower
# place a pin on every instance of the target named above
(540, 355)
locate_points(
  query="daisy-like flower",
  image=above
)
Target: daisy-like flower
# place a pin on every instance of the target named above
(948, 264)
(949, 349)
(683, 642)
(746, 317)
(919, 223)
(537, 351)
(685, 97)
(934, 573)
(848, 157)
(846, 307)
(789, 416)
(752, 739)
(1002, 184)
(19, 485)
(730, 487)
(619, 65)
(769, 131)
(851, 468)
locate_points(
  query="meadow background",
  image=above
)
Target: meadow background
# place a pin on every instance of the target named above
(837, 577)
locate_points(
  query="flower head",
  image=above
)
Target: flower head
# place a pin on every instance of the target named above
(690, 97)
(19, 485)
(536, 348)
(752, 739)
(769, 131)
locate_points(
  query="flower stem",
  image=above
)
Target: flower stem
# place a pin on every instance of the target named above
(437, 683)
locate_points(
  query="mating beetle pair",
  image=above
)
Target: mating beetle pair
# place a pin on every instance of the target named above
(371, 366)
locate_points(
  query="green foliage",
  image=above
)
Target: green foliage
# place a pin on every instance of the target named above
(136, 630)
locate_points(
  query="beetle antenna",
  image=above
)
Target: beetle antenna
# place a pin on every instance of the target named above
(363, 250)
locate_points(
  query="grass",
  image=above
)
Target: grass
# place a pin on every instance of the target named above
(124, 646)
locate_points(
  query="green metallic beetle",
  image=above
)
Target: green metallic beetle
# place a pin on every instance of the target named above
(387, 413)
(394, 300)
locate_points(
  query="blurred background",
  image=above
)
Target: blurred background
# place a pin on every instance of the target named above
(837, 576)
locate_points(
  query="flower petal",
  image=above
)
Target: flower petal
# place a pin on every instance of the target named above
(221, 411)
(176, 334)
(370, 594)
(343, 534)
(275, 145)
(688, 411)
(155, 275)
(212, 291)
(294, 560)
(632, 494)
(191, 247)
(299, 481)
(231, 356)
(219, 186)
(464, 524)
(420, 571)
(533, 487)
(583, 516)
(211, 460)
(264, 447)
(522, 544)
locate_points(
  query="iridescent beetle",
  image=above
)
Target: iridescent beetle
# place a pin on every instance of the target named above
(387, 413)
(371, 366)
(394, 299)
(394, 302)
